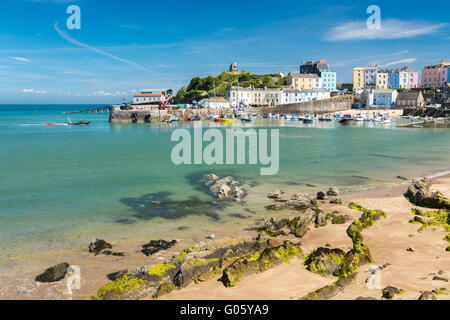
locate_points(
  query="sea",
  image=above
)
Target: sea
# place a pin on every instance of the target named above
(62, 186)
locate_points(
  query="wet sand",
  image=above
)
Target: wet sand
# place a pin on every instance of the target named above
(388, 241)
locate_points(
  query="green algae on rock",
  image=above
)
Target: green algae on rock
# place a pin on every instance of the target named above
(331, 290)
(324, 261)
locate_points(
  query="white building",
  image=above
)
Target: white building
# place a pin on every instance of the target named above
(214, 103)
(295, 96)
(148, 97)
(381, 98)
(251, 96)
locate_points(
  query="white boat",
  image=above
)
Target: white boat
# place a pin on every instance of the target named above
(385, 120)
(360, 117)
(329, 118)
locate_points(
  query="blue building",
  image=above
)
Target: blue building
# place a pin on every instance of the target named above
(328, 79)
(394, 80)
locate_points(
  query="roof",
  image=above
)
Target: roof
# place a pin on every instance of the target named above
(389, 91)
(304, 75)
(412, 95)
(147, 95)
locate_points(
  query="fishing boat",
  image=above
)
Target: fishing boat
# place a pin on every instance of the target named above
(360, 117)
(294, 117)
(79, 123)
(308, 119)
(348, 117)
(322, 117)
(195, 118)
(50, 124)
(174, 119)
(384, 120)
(329, 118)
(247, 118)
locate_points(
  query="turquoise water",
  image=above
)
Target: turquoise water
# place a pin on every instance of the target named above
(61, 186)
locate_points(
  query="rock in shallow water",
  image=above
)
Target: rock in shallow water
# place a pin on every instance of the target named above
(98, 245)
(53, 274)
(155, 246)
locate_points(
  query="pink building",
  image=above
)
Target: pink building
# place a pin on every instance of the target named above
(435, 75)
(413, 79)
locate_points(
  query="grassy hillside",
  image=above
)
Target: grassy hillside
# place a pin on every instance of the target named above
(200, 88)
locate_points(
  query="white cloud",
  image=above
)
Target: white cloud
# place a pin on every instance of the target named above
(21, 59)
(102, 93)
(407, 60)
(34, 91)
(390, 29)
(67, 37)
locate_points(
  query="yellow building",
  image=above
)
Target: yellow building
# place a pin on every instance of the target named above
(303, 81)
(358, 78)
(382, 80)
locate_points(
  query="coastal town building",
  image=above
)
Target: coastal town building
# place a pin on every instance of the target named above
(410, 99)
(394, 79)
(328, 80)
(384, 98)
(314, 67)
(382, 80)
(358, 79)
(234, 68)
(148, 97)
(295, 96)
(370, 77)
(239, 96)
(214, 103)
(435, 75)
(305, 81)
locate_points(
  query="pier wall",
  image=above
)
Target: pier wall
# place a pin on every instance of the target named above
(335, 104)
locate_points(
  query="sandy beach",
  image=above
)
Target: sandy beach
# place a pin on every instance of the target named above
(388, 240)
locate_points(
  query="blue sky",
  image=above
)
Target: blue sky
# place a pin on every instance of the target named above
(126, 46)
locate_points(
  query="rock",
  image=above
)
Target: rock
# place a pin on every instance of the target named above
(321, 219)
(98, 246)
(366, 298)
(53, 274)
(427, 296)
(115, 275)
(341, 219)
(267, 259)
(113, 253)
(436, 278)
(321, 195)
(211, 237)
(402, 178)
(155, 246)
(333, 192)
(225, 189)
(324, 261)
(275, 194)
(410, 249)
(331, 290)
(389, 292)
(419, 193)
(276, 207)
(336, 201)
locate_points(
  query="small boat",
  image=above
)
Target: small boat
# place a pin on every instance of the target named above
(385, 120)
(322, 118)
(344, 121)
(308, 119)
(79, 123)
(294, 117)
(50, 124)
(173, 119)
(360, 117)
(329, 118)
(247, 118)
(195, 118)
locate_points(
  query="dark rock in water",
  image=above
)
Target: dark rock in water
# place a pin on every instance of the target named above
(275, 194)
(113, 253)
(182, 228)
(333, 192)
(366, 298)
(419, 193)
(321, 195)
(115, 275)
(427, 295)
(402, 178)
(98, 246)
(436, 278)
(410, 249)
(324, 261)
(155, 246)
(224, 189)
(53, 274)
(389, 292)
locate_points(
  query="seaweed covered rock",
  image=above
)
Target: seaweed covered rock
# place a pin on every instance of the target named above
(155, 246)
(427, 295)
(420, 194)
(296, 201)
(333, 192)
(389, 292)
(352, 261)
(335, 201)
(53, 274)
(267, 259)
(194, 264)
(324, 261)
(340, 219)
(331, 290)
(297, 226)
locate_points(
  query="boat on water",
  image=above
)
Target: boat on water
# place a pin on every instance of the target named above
(225, 119)
(294, 117)
(344, 121)
(329, 118)
(50, 124)
(384, 120)
(308, 119)
(79, 123)
(195, 118)
(360, 117)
